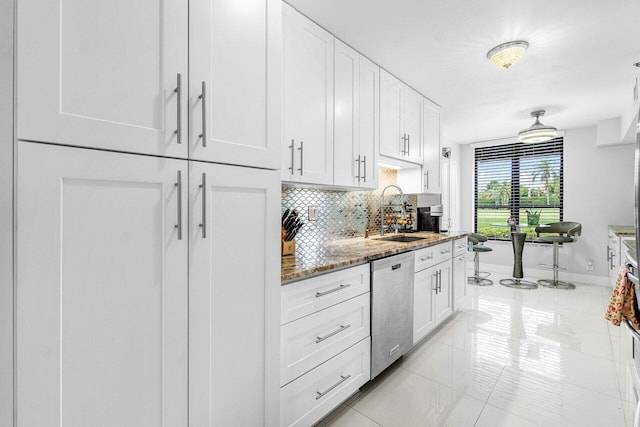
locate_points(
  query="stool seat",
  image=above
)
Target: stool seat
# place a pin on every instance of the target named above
(481, 248)
(555, 239)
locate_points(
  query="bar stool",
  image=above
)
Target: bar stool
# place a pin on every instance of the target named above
(517, 240)
(567, 232)
(479, 278)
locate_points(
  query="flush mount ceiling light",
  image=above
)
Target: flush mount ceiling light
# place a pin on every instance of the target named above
(537, 132)
(507, 54)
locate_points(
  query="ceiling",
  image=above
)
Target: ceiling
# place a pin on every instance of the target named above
(579, 65)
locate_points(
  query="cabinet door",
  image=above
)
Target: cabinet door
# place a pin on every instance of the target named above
(612, 258)
(307, 148)
(392, 143)
(101, 306)
(235, 61)
(459, 281)
(443, 301)
(412, 118)
(424, 288)
(106, 78)
(346, 153)
(369, 123)
(431, 147)
(234, 299)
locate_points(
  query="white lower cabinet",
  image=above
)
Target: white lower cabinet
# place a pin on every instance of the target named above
(315, 338)
(312, 396)
(459, 281)
(423, 314)
(432, 289)
(325, 345)
(234, 285)
(134, 305)
(443, 302)
(102, 281)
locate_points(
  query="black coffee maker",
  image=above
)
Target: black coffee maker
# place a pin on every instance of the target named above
(429, 218)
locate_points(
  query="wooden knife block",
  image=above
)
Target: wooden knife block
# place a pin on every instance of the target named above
(288, 248)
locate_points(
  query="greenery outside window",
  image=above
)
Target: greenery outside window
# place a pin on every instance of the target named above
(518, 182)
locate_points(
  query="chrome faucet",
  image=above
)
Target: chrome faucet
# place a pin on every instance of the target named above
(382, 208)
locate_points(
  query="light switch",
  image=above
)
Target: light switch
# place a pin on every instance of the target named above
(313, 213)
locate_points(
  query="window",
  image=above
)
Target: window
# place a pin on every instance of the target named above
(519, 181)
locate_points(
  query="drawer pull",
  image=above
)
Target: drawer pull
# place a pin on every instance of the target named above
(427, 258)
(342, 328)
(330, 291)
(343, 378)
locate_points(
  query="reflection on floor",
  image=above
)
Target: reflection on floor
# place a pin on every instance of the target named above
(510, 358)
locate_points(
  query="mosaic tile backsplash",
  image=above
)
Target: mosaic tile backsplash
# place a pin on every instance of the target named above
(341, 214)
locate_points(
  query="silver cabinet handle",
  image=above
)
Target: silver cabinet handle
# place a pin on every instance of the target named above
(340, 329)
(292, 152)
(358, 162)
(203, 98)
(439, 281)
(330, 291)
(364, 169)
(404, 143)
(408, 145)
(203, 225)
(608, 253)
(301, 156)
(179, 186)
(436, 276)
(612, 265)
(426, 180)
(343, 378)
(178, 91)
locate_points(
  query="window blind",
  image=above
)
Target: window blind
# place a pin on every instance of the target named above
(521, 182)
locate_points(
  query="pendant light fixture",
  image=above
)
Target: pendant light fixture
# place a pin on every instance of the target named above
(507, 54)
(537, 132)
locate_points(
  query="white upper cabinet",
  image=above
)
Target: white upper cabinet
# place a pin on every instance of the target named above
(307, 146)
(104, 74)
(154, 77)
(400, 120)
(392, 139)
(235, 81)
(431, 147)
(369, 123)
(234, 295)
(355, 119)
(101, 302)
(412, 111)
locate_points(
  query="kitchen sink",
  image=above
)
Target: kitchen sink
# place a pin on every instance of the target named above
(401, 239)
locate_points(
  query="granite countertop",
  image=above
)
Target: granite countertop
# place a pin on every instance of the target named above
(347, 252)
(623, 230)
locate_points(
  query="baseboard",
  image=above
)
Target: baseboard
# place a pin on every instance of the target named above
(536, 273)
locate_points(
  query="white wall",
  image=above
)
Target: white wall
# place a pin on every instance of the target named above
(598, 191)
(6, 213)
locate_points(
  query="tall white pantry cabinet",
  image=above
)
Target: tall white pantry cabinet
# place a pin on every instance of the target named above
(144, 207)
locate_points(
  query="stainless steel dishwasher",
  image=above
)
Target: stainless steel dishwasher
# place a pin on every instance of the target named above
(391, 310)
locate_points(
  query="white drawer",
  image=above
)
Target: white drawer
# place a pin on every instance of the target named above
(460, 246)
(444, 252)
(307, 296)
(312, 396)
(432, 255)
(312, 340)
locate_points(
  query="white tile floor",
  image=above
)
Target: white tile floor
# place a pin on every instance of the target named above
(509, 358)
